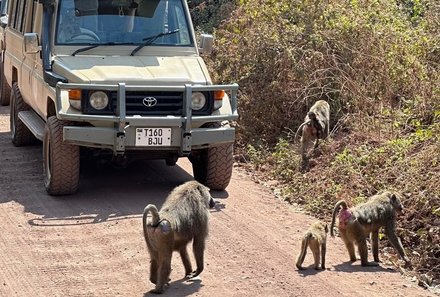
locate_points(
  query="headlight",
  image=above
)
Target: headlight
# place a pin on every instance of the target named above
(98, 100)
(198, 100)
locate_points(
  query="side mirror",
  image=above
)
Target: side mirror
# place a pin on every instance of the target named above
(31, 43)
(3, 21)
(206, 43)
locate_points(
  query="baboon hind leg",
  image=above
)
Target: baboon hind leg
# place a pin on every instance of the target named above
(164, 271)
(375, 245)
(316, 249)
(350, 247)
(323, 252)
(199, 250)
(153, 270)
(185, 259)
(363, 253)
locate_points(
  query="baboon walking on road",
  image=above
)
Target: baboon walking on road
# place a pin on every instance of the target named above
(316, 239)
(182, 218)
(356, 224)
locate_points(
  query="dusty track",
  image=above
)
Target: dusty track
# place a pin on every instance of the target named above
(91, 244)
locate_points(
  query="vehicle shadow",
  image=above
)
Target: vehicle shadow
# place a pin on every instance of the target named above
(105, 193)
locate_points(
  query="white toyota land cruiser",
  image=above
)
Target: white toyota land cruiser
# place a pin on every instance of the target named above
(119, 77)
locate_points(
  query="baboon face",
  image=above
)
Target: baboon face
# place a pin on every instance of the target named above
(397, 204)
(210, 202)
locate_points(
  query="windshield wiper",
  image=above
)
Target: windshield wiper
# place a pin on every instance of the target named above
(150, 39)
(83, 49)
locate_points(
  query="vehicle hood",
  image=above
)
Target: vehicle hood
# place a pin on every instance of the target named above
(132, 70)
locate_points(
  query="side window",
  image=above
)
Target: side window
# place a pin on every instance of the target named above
(19, 15)
(13, 13)
(34, 21)
(23, 15)
(17, 18)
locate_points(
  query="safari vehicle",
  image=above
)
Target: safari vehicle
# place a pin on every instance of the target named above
(119, 78)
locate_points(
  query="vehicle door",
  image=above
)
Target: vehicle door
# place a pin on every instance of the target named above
(28, 87)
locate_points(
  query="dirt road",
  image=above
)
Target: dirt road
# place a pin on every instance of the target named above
(91, 244)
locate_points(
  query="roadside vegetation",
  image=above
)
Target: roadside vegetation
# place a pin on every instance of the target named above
(377, 62)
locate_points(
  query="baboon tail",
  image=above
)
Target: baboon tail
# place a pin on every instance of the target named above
(299, 128)
(335, 210)
(153, 210)
(302, 254)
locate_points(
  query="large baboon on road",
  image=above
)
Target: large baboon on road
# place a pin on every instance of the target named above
(182, 218)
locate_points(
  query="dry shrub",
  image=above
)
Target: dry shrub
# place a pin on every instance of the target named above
(360, 55)
(378, 64)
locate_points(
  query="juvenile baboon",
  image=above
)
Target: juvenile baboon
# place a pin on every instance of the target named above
(315, 238)
(182, 218)
(356, 224)
(316, 126)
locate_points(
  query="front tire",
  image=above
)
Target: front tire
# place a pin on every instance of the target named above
(213, 166)
(60, 160)
(20, 133)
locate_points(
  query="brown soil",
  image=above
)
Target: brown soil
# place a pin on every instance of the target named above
(91, 244)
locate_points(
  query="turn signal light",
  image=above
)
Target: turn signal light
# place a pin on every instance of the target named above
(219, 94)
(75, 98)
(75, 94)
(218, 98)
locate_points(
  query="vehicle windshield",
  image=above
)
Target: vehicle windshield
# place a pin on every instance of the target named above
(4, 8)
(109, 22)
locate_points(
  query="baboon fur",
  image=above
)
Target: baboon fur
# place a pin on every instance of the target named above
(182, 218)
(316, 126)
(357, 223)
(316, 239)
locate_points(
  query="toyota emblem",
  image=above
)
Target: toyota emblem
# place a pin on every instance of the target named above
(149, 101)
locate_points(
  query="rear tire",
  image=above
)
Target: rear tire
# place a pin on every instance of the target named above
(20, 133)
(213, 166)
(61, 161)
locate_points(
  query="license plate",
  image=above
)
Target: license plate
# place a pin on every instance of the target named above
(153, 136)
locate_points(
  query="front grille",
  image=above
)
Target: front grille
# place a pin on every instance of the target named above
(168, 103)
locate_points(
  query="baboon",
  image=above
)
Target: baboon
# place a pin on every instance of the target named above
(182, 218)
(356, 224)
(316, 126)
(315, 238)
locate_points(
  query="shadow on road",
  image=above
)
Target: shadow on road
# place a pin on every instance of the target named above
(4, 110)
(356, 267)
(105, 193)
(182, 287)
